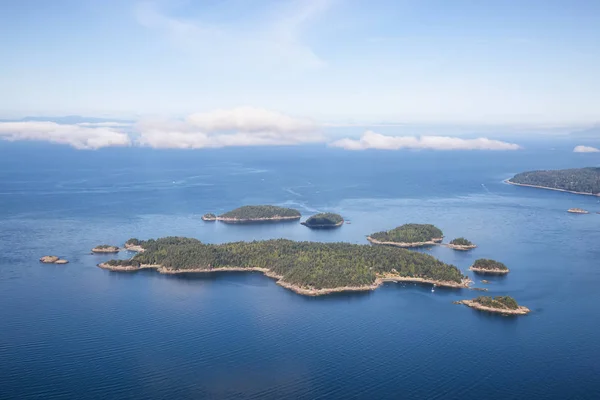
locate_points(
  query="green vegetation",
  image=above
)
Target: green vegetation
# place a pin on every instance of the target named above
(209, 216)
(261, 212)
(305, 264)
(324, 220)
(584, 180)
(461, 241)
(134, 242)
(409, 233)
(484, 263)
(105, 246)
(501, 302)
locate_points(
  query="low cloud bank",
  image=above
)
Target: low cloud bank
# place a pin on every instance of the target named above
(243, 126)
(80, 137)
(585, 149)
(373, 140)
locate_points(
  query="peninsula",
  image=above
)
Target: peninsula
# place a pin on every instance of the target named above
(324, 221)
(576, 180)
(486, 266)
(461, 244)
(408, 235)
(105, 248)
(262, 213)
(500, 304)
(209, 217)
(53, 260)
(307, 268)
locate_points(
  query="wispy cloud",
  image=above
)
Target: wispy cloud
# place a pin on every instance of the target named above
(243, 126)
(80, 137)
(585, 149)
(373, 140)
(272, 40)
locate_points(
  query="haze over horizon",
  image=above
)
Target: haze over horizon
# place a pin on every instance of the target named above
(220, 73)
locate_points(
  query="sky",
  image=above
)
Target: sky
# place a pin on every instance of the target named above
(319, 62)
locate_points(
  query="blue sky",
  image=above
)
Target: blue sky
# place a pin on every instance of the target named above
(444, 61)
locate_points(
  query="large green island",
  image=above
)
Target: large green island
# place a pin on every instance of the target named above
(324, 221)
(308, 268)
(408, 235)
(576, 180)
(505, 305)
(261, 213)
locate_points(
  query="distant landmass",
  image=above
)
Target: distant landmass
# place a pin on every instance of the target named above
(308, 268)
(576, 180)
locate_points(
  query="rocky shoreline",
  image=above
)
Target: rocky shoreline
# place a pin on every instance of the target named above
(578, 211)
(432, 242)
(506, 311)
(549, 188)
(461, 247)
(489, 271)
(53, 260)
(306, 291)
(134, 247)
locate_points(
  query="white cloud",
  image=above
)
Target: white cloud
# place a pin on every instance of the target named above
(373, 140)
(80, 137)
(585, 149)
(243, 126)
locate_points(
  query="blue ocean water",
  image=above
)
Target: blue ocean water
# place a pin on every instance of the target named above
(77, 331)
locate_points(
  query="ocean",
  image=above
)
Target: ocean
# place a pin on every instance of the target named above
(77, 331)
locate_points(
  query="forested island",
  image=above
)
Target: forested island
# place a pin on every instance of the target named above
(461, 244)
(499, 304)
(308, 268)
(324, 221)
(261, 213)
(209, 217)
(134, 244)
(486, 266)
(408, 235)
(575, 180)
(105, 248)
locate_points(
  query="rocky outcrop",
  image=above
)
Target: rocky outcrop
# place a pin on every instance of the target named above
(53, 260)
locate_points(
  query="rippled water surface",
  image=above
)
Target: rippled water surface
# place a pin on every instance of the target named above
(77, 331)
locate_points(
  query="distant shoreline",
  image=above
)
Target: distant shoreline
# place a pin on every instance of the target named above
(549, 188)
(464, 284)
(323, 226)
(494, 271)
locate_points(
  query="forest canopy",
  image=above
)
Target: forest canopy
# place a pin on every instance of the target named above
(585, 180)
(409, 233)
(262, 211)
(501, 302)
(306, 264)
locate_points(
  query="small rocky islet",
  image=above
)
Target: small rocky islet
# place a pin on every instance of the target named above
(106, 248)
(254, 214)
(487, 266)
(53, 260)
(504, 305)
